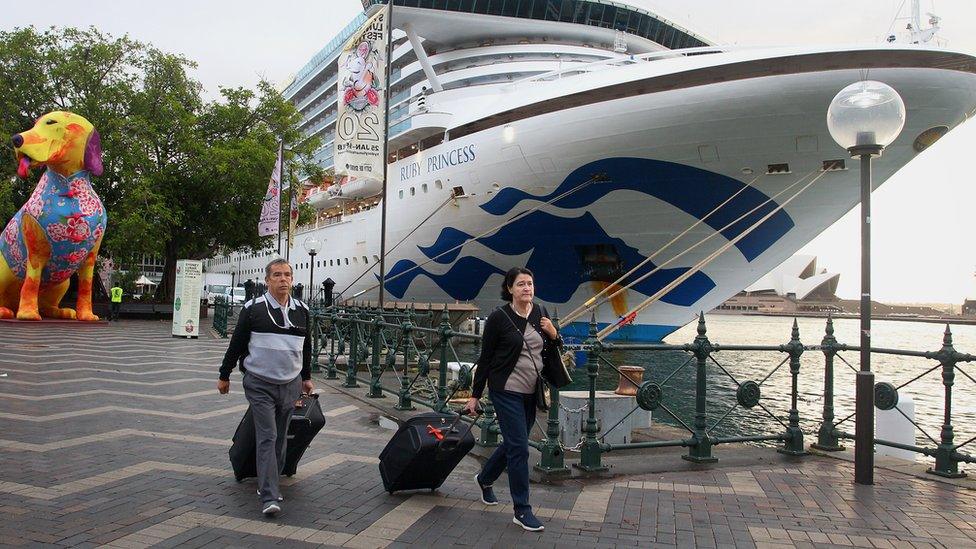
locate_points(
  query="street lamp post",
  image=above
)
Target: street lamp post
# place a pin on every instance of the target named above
(233, 273)
(312, 246)
(864, 118)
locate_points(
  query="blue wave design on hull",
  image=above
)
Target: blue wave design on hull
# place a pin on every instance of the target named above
(555, 260)
(463, 281)
(693, 190)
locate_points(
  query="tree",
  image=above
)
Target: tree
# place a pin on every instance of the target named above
(228, 175)
(183, 177)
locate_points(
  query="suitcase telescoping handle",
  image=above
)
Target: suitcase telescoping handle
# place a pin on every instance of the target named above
(448, 443)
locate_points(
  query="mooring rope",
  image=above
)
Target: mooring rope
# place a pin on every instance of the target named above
(701, 264)
(576, 313)
(368, 270)
(587, 308)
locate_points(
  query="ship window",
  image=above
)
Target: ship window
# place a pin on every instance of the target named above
(413, 191)
(376, 258)
(833, 165)
(424, 187)
(438, 184)
(366, 261)
(401, 193)
(773, 169)
(355, 261)
(347, 261)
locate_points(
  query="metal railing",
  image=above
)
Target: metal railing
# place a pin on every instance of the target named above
(222, 310)
(414, 349)
(945, 450)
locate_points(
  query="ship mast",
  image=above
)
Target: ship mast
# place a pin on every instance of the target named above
(917, 34)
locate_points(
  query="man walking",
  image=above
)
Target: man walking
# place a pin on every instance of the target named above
(116, 303)
(273, 339)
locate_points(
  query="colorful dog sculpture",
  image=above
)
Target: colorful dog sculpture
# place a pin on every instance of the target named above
(60, 228)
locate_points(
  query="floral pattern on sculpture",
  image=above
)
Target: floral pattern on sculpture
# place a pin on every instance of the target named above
(74, 220)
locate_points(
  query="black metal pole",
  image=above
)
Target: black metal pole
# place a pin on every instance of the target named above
(386, 152)
(311, 275)
(864, 387)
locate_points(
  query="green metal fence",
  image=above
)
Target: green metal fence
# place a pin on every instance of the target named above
(222, 311)
(416, 348)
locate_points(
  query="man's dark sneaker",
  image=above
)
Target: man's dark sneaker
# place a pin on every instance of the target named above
(528, 522)
(487, 494)
(272, 508)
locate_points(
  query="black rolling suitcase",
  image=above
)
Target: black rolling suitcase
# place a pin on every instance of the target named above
(306, 421)
(424, 451)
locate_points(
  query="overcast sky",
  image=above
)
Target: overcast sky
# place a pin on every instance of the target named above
(923, 246)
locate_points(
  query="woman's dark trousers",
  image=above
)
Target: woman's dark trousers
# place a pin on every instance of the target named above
(516, 414)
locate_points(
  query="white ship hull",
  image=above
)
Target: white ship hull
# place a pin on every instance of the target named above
(658, 161)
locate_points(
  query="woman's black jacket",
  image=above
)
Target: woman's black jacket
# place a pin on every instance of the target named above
(501, 345)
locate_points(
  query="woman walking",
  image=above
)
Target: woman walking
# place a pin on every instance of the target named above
(516, 337)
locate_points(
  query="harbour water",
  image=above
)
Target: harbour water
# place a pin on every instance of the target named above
(927, 392)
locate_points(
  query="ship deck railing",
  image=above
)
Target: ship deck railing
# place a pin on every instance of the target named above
(621, 60)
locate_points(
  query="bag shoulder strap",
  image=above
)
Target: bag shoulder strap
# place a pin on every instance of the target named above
(525, 343)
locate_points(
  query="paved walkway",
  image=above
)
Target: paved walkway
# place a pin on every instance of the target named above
(114, 434)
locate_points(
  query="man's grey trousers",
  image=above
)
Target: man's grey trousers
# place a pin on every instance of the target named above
(271, 405)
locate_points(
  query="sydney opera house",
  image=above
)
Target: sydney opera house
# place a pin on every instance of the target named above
(796, 285)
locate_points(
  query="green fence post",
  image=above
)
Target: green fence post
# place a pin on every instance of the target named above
(827, 439)
(701, 451)
(946, 463)
(442, 373)
(316, 334)
(405, 403)
(220, 316)
(332, 346)
(351, 362)
(793, 445)
(551, 463)
(487, 435)
(590, 452)
(375, 389)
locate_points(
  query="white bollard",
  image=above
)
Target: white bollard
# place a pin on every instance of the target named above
(895, 427)
(610, 409)
(454, 367)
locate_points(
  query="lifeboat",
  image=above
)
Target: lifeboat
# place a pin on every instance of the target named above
(344, 190)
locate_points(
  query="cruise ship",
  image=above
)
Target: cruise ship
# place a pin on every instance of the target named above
(580, 138)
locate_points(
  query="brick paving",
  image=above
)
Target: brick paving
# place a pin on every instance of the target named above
(113, 434)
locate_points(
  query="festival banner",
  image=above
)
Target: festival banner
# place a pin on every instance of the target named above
(271, 205)
(360, 129)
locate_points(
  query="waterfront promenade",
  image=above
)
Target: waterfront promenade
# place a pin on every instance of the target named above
(114, 434)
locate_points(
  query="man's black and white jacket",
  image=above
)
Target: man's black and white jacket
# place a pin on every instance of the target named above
(273, 341)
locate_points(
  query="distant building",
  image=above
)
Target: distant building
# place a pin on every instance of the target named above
(969, 307)
(793, 286)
